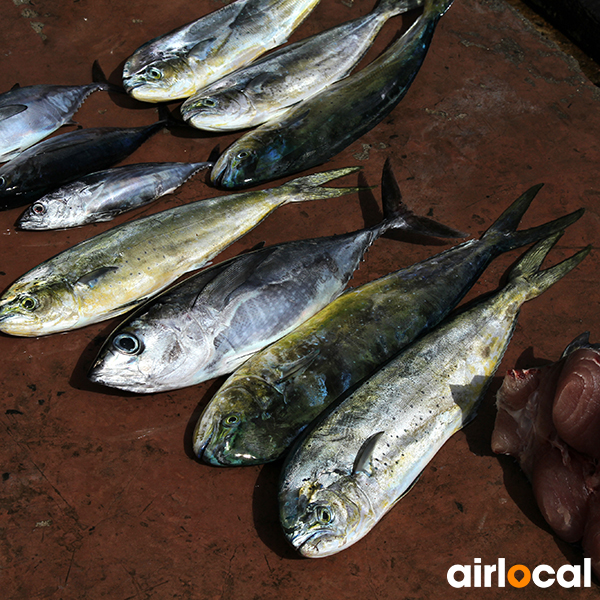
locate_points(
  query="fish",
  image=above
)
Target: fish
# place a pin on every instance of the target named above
(103, 195)
(116, 270)
(549, 419)
(177, 64)
(31, 113)
(263, 406)
(209, 324)
(63, 158)
(357, 462)
(316, 129)
(266, 88)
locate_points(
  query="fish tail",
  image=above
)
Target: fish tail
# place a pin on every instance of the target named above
(309, 186)
(99, 77)
(527, 268)
(502, 235)
(398, 216)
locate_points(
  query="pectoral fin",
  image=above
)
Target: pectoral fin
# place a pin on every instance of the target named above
(362, 462)
(10, 111)
(92, 278)
(297, 367)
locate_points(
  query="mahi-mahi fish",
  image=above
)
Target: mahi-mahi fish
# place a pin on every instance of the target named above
(318, 128)
(273, 396)
(267, 87)
(176, 64)
(213, 321)
(357, 462)
(115, 271)
(29, 114)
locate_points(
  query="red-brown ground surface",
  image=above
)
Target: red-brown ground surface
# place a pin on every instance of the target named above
(100, 495)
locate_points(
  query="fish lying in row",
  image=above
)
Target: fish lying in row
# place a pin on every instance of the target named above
(212, 322)
(103, 195)
(357, 462)
(313, 131)
(549, 420)
(29, 114)
(63, 158)
(276, 393)
(177, 64)
(118, 269)
(268, 87)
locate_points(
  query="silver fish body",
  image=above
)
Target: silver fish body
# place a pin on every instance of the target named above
(266, 88)
(103, 195)
(267, 402)
(359, 460)
(213, 321)
(29, 114)
(116, 270)
(176, 64)
(315, 130)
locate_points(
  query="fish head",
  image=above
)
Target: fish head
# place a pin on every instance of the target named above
(49, 212)
(226, 110)
(9, 186)
(38, 307)
(319, 519)
(161, 80)
(231, 431)
(245, 163)
(145, 356)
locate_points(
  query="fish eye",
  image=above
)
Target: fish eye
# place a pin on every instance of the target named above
(209, 102)
(243, 154)
(324, 515)
(38, 208)
(154, 73)
(231, 420)
(29, 303)
(127, 343)
(2, 181)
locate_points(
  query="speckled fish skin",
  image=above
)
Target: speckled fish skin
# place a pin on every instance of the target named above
(63, 158)
(212, 322)
(270, 399)
(266, 88)
(103, 195)
(177, 64)
(357, 462)
(320, 127)
(29, 114)
(116, 270)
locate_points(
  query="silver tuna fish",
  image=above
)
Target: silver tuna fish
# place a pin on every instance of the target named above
(268, 87)
(177, 64)
(212, 322)
(115, 271)
(103, 195)
(356, 463)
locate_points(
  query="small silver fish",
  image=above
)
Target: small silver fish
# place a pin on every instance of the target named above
(357, 462)
(103, 195)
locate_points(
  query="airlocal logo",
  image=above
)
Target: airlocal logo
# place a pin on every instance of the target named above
(519, 576)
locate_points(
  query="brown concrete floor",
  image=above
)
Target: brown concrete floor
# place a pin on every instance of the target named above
(100, 496)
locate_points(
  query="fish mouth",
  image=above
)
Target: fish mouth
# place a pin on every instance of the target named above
(217, 174)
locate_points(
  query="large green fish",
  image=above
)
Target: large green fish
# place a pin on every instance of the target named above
(112, 272)
(356, 463)
(178, 63)
(321, 126)
(271, 398)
